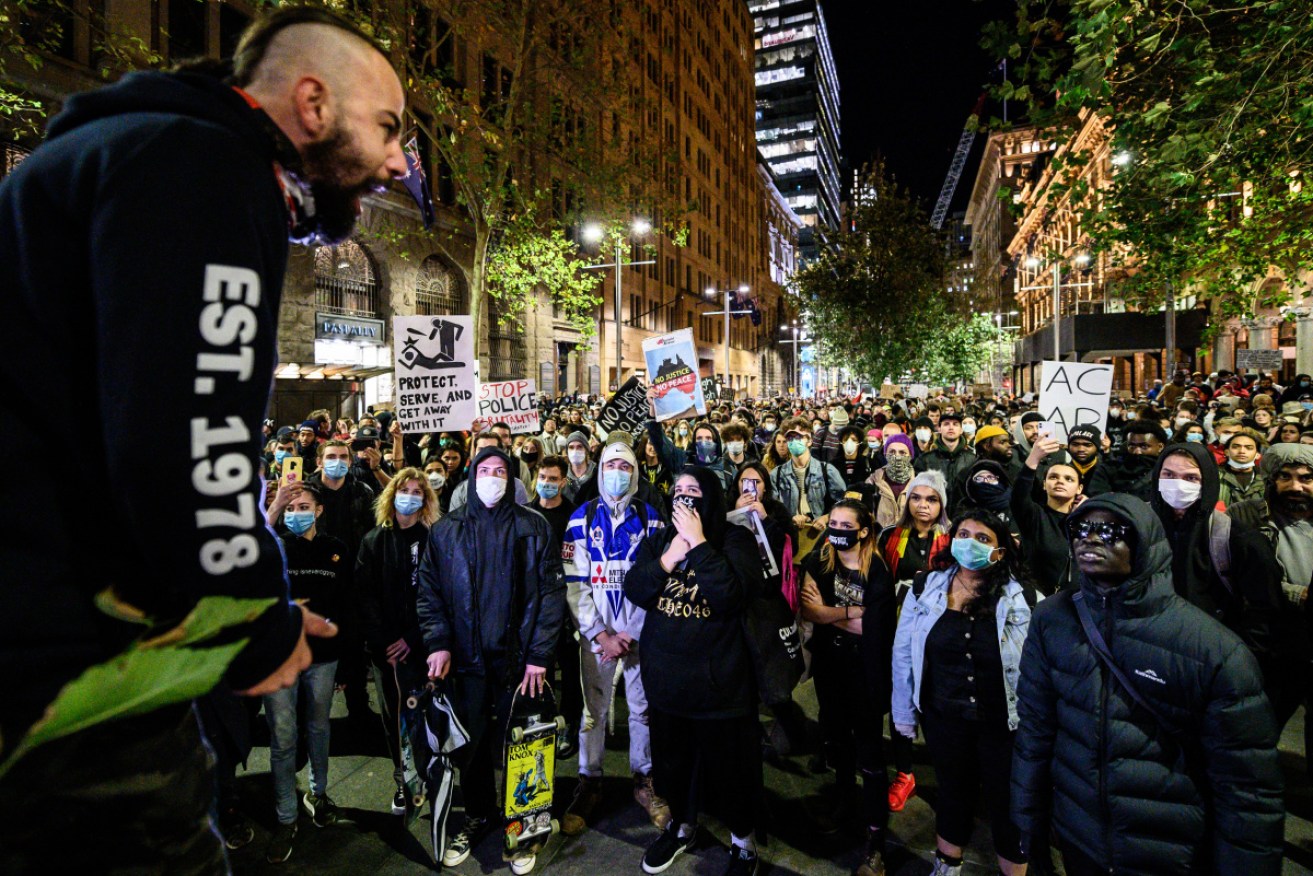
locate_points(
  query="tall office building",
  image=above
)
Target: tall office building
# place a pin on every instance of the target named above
(798, 112)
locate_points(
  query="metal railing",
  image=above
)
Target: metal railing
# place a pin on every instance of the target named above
(346, 297)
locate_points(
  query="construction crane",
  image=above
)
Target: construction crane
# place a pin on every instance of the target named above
(955, 169)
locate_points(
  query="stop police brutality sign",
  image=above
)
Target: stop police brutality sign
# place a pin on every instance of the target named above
(513, 402)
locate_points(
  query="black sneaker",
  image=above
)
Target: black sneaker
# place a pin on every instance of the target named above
(280, 847)
(460, 845)
(741, 862)
(237, 832)
(323, 811)
(668, 846)
(399, 800)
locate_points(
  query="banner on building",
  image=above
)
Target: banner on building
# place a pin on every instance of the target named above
(436, 373)
(672, 362)
(627, 410)
(513, 402)
(1074, 394)
(1258, 360)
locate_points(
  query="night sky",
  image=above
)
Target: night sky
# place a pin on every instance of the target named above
(909, 75)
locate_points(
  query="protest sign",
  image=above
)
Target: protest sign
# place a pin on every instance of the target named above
(918, 390)
(436, 372)
(709, 388)
(1074, 394)
(627, 410)
(513, 402)
(672, 362)
(888, 391)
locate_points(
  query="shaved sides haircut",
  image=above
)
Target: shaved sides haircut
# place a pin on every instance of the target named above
(259, 53)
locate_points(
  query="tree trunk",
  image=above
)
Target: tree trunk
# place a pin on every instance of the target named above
(478, 279)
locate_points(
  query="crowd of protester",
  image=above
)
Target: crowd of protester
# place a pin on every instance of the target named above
(1103, 637)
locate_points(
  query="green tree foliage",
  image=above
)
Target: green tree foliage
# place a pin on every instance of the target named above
(876, 300)
(1210, 105)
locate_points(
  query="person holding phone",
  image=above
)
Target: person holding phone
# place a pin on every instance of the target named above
(694, 579)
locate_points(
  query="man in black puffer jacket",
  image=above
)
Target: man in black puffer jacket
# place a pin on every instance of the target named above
(1125, 794)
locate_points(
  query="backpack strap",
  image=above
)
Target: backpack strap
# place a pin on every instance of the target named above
(1219, 547)
(918, 583)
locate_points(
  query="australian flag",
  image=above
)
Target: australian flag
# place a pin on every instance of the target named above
(744, 302)
(417, 183)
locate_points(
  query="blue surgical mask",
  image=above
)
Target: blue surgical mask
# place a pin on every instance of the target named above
(299, 521)
(973, 555)
(548, 491)
(336, 469)
(615, 482)
(1195, 438)
(407, 504)
(279, 456)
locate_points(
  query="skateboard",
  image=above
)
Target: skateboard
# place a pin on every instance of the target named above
(530, 770)
(409, 719)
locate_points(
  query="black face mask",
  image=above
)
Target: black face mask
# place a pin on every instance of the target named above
(995, 497)
(842, 539)
(693, 503)
(530, 456)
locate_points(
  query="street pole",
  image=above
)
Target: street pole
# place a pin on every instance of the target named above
(727, 380)
(727, 314)
(1169, 321)
(619, 347)
(1057, 310)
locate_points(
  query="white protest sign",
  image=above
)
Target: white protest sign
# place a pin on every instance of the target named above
(918, 390)
(1074, 394)
(436, 373)
(513, 402)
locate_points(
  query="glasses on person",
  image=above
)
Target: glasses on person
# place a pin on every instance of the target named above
(1104, 531)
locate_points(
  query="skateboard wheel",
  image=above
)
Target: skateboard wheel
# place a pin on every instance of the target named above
(412, 702)
(418, 800)
(556, 827)
(560, 723)
(512, 842)
(517, 734)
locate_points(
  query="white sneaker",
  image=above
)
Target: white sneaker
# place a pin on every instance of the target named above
(945, 869)
(523, 864)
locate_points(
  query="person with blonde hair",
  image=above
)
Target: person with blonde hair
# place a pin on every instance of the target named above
(386, 568)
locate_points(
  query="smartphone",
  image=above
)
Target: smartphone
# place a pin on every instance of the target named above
(750, 487)
(1044, 431)
(292, 467)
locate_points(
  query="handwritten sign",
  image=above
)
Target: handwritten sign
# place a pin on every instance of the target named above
(1074, 394)
(436, 372)
(513, 402)
(627, 409)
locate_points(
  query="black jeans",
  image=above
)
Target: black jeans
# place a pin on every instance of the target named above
(129, 796)
(721, 756)
(967, 756)
(483, 704)
(853, 726)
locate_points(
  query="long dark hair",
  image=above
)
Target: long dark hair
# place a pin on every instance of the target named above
(997, 576)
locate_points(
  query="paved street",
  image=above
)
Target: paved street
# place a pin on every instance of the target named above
(371, 842)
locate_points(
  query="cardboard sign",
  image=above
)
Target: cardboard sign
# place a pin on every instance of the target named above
(673, 363)
(1258, 360)
(918, 390)
(436, 372)
(1074, 394)
(514, 402)
(888, 391)
(627, 409)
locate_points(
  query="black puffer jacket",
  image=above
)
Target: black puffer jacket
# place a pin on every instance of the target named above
(1102, 771)
(521, 605)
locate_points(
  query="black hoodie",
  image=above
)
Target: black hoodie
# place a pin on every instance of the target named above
(1254, 606)
(142, 250)
(1112, 782)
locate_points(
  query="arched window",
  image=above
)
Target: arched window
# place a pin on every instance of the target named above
(345, 281)
(439, 290)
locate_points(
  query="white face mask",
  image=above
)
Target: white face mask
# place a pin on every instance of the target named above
(1178, 493)
(490, 489)
(734, 448)
(1242, 466)
(576, 457)
(850, 447)
(923, 435)
(437, 480)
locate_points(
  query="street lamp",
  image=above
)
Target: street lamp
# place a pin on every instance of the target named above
(595, 233)
(1122, 159)
(727, 313)
(1081, 261)
(799, 338)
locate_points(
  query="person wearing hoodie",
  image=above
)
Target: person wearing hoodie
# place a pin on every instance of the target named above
(923, 431)
(985, 487)
(109, 231)
(491, 606)
(1134, 471)
(1023, 434)
(1187, 785)
(807, 486)
(1238, 581)
(582, 467)
(852, 460)
(606, 533)
(706, 450)
(951, 456)
(890, 481)
(694, 580)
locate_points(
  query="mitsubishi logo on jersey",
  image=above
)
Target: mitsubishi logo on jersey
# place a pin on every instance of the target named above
(1149, 674)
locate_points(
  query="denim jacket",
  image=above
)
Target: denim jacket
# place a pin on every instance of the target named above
(919, 615)
(823, 482)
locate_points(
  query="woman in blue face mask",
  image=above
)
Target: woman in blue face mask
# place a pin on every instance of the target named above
(385, 575)
(957, 653)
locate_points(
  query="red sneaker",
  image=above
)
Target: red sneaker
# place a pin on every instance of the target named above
(900, 789)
